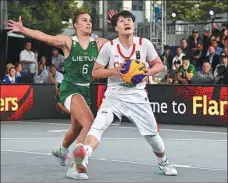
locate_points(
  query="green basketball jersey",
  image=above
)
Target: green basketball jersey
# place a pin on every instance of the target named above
(79, 64)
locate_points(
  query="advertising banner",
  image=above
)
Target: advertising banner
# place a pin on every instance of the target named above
(18, 102)
(198, 105)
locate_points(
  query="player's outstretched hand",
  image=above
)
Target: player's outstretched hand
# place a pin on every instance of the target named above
(110, 14)
(15, 26)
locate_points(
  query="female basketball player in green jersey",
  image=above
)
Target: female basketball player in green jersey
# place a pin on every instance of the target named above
(80, 52)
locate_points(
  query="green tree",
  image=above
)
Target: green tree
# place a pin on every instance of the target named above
(46, 16)
(195, 10)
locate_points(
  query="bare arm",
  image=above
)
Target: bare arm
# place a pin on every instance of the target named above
(156, 66)
(188, 75)
(99, 71)
(60, 41)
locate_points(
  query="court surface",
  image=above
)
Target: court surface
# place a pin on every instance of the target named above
(199, 153)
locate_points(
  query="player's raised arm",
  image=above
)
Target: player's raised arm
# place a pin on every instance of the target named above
(153, 59)
(99, 70)
(59, 41)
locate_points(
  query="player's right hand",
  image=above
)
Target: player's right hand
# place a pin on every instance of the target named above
(110, 14)
(15, 26)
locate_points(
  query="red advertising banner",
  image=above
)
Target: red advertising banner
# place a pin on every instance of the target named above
(15, 101)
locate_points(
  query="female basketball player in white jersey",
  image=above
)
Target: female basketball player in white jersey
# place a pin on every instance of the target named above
(73, 99)
(121, 100)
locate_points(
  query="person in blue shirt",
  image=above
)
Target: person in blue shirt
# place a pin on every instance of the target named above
(11, 78)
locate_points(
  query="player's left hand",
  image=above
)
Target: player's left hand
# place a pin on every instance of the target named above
(110, 14)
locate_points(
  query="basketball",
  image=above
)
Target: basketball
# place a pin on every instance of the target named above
(133, 71)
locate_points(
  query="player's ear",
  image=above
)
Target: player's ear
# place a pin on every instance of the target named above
(116, 29)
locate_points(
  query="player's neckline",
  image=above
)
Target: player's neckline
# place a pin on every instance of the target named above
(122, 55)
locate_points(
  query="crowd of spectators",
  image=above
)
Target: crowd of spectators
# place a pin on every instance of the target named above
(33, 68)
(199, 59)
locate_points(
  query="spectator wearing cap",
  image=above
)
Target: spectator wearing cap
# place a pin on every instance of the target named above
(11, 78)
(167, 58)
(194, 39)
(186, 71)
(205, 76)
(178, 58)
(221, 69)
(212, 58)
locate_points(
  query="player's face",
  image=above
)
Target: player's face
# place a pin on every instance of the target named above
(84, 24)
(125, 26)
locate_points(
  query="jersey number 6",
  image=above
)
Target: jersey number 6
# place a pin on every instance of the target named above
(85, 69)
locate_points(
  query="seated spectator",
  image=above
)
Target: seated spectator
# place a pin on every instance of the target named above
(218, 50)
(43, 60)
(167, 58)
(221, 69)
(19, 72)
(172, 75)
(225, 51)
(57, 60)
(205, 76)
(42, 76)
(8, 66)
(55, 77)
(194, 39)
(185, 48)
(11, 78)
(212, 58)
(186, 71)
(198, 57)
(178, 57)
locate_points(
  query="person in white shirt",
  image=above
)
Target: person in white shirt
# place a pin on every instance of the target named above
(28, 59)
(55, 77)
(120, 99)
(42, 76)
(178, 58)
(57, 60)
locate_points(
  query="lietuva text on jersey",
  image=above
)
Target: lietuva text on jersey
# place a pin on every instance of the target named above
(83, 58)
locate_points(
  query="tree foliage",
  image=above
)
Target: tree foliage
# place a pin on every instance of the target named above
(45, 15)
(195, 10)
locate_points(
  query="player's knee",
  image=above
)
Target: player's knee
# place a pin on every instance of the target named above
(101, 123)
(156, 143)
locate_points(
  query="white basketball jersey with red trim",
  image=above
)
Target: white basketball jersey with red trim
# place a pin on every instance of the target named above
(116, 86)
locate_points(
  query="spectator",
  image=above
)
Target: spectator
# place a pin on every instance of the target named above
(218, 50)
(43, 61)
(42, 76)
(185, 48)
(225, 50)
(194, 39)
(178, 57)
(206, 40)
(167, 58)
(58, 60)
(185, 71)
(205, 76)
(19, 72)
(11, 77)
(55, 77)
(224, 42)
(213, 58)
(28, 59)
(8, 66)
(198, 57)
(172, 75)
(221, 69)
